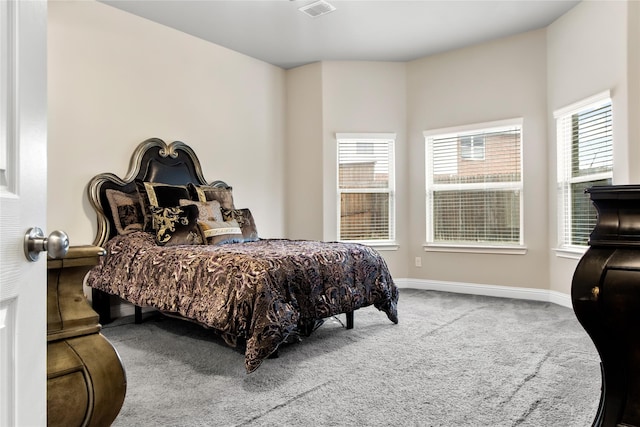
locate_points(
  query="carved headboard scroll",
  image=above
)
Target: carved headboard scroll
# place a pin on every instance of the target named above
(153, 161)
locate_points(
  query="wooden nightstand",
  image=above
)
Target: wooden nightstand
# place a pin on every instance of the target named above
(86, 382)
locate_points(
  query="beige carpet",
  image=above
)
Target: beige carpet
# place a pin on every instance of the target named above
(452, 360)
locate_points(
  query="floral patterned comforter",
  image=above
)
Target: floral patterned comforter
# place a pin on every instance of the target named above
(255, 291)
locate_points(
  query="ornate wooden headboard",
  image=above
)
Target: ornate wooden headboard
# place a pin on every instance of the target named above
(153, 161)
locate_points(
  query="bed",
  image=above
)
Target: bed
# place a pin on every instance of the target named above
(177, 243)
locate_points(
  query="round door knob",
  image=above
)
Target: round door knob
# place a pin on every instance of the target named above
(56, 245)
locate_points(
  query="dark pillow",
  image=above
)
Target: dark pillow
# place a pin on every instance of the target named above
(126, 211)
(245, 220)
(177, 225)
(206, 193)
(159, 195)
(217, 233)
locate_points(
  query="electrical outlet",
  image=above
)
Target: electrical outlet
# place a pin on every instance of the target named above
(418, 261)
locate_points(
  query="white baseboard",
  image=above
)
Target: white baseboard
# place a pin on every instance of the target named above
(488, 290)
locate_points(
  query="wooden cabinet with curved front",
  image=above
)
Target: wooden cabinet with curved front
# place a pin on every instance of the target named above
(86, 382)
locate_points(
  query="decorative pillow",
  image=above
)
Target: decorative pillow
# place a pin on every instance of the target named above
(208, 211)
(176, 225)
(126, 211)
(159, 195)
(246, 222)
(216, 233)
(205, 193)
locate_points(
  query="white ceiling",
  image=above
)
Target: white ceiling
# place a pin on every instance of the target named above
(276, 32)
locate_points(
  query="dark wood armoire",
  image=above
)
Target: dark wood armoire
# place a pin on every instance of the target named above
(606, 300)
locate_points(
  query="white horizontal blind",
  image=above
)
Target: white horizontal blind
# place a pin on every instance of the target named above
(585, 159)
(474, 187)
(366, 189)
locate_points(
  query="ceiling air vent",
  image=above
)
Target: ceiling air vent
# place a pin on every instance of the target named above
(317, 8)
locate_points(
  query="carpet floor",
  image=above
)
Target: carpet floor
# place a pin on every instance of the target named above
(452, 360)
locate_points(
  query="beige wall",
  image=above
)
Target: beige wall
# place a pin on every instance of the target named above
(304, 153)
(499, 80)
(327, 98)
(588, 52)
(365, 97)
(116, 79)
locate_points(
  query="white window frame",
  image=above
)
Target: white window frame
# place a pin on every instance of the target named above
(518, 248)
(564, 180)
(370, 137)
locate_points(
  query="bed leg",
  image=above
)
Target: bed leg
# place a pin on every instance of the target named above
(101, 304)
(137, 316)
(349, 319)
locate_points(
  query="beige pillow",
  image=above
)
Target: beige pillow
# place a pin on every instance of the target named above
(207, 211)
(126, 211)
(216, 232)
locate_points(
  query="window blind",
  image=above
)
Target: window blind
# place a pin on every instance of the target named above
(474, 187)
(585, 159)
(365, 188)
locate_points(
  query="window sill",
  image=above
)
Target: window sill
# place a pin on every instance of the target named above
(571, 252)
(498, 250)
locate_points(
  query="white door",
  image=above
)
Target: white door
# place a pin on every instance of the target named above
(23, 203)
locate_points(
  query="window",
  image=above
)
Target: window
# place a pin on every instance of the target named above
(585, 159)
(366, 200)
(474, 185)
(472, 147)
